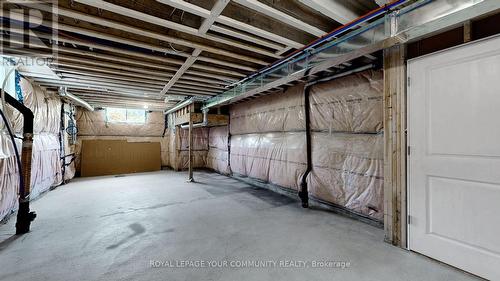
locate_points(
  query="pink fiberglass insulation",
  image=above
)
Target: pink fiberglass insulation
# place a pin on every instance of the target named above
(268, 138)
(347, 143)
(46, 170)
(217, 157)
(179, 148)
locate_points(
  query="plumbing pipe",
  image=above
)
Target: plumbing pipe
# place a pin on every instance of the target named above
(79, 101)
(24, 216)
(62, 153)
(204, 123)
(303, 191)
(63, 92)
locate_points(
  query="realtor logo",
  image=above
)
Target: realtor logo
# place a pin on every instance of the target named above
(29, 29)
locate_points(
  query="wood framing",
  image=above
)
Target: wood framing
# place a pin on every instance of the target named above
(395, 220)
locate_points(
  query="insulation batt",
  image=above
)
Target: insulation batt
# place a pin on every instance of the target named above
(280, 112)
(179, 146)
(347, 143)
(348, 171)
(278, 158)
(268, 138)
(46, 163)
(351, 104)
(217, 157)
(9, 177)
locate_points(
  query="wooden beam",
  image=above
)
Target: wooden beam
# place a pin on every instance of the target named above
(214, 13)
(80, 81)
(183, 5)
(188, 7)
(257, 31)
(246, 37)
(123, 69)
(109, 68)
(180, 72)
(169, 24)
(217, 9)
(218, 120)
(146, 79)
(280, 16)
(333, 9)
(395, 221)
(141, 63)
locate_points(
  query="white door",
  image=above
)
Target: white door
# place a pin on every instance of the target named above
(454, 162)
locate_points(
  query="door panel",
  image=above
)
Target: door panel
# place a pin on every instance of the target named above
(454, 165)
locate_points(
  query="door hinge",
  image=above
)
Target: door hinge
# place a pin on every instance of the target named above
(408, 219)
(408, 81)
(408, 150)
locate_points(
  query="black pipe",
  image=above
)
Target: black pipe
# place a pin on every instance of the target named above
(165, 126)
(61, 140)
(303, 192)
(24, 216)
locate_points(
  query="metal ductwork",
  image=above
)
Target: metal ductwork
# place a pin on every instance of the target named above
(378, 30)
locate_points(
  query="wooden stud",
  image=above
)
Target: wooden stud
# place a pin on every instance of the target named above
(467, 31)
(190, 175)
(395, 221)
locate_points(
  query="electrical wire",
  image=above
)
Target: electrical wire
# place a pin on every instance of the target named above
(18, 159)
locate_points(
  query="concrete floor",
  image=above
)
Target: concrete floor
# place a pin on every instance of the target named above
(112, 228)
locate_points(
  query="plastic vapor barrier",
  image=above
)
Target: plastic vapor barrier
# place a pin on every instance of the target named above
(46, 162)
(200, 148)
(93, 123)
(347, 142)
(179, 148)
(217, 157)
(268, 138)
(9, 175)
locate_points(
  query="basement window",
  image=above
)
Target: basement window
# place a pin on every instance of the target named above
(122, 115)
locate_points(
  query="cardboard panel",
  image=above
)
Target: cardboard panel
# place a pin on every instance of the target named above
(111, 157)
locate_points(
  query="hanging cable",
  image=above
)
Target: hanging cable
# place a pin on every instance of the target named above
(13, 139)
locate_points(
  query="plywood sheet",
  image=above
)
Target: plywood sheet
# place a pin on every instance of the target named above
(111, 157)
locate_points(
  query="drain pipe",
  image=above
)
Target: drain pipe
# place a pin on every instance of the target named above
(303, 192)
(24, 216)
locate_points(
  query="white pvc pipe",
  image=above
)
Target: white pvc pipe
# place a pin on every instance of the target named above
(78, 101)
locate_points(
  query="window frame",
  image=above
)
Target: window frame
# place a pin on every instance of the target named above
(126, 121)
